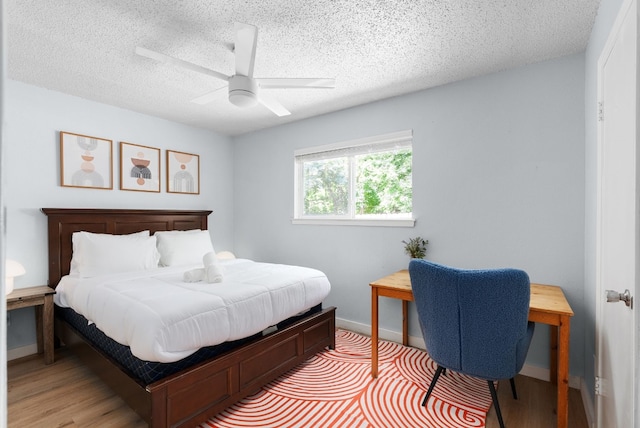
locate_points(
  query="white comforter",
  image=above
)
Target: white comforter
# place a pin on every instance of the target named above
(161, 318)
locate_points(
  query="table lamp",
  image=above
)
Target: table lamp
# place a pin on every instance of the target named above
(11, 270)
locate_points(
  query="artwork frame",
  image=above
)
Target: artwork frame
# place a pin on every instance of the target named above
(144, 175)
(86, 161)
(183, 172)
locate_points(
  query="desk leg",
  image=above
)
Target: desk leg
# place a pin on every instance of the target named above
(563, 372)
(405, 323)
(374, 332)
(553, 357)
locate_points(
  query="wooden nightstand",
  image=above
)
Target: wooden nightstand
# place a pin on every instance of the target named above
(42, 298)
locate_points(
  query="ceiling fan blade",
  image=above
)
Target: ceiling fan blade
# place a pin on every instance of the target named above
(208, 97)
(180, 63)
(245, 49)
(273, 105)
(320, 82)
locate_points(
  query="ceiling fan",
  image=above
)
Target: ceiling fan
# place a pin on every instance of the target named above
(244, 89)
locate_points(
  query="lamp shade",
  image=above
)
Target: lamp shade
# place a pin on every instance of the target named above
(225, 255)
(11, 270)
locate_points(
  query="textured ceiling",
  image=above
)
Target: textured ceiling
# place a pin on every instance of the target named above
(375, 49)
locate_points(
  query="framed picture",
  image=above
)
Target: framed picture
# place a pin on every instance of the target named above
(139, 168)
(183, 172)
(86, 161)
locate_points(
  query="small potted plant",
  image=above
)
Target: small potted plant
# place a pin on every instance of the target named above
(416, 247)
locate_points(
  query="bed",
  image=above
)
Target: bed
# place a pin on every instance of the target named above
(191, 394)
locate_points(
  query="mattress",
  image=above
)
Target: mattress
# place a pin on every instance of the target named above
(147, 372)
(161, 318)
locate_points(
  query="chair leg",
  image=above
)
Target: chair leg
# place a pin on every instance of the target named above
(433, 383)
(513, 388)
(494, 396)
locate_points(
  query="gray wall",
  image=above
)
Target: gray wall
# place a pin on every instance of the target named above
(498, 181)
(604, 21)
(34, 118)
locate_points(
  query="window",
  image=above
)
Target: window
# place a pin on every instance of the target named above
(365, 181)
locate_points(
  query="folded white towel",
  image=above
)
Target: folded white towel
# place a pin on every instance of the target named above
(194, 275)
(213, 270)
(215, 273)
(210, 259)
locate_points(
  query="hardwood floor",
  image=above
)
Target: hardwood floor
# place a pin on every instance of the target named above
(535, 406)
(66, 394)
(62, 394)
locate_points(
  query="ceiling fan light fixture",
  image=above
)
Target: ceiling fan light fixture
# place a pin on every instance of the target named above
(242, 91)
(242, 86)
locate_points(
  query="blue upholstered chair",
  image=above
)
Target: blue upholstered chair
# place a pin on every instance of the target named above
(473, 321)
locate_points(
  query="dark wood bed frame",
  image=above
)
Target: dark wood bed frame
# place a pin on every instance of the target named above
(191, 396)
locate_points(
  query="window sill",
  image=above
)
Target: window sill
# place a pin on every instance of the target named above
(410, 222)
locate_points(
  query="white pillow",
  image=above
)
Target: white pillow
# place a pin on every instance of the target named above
(77, 239)
(98, 254)
(183, 247)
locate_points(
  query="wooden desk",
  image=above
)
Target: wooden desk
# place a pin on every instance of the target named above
(547, 305)
(42, 298)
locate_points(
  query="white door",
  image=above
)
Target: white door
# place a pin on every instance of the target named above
(617, 236)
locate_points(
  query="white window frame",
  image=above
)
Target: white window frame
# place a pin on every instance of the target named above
(359, 146)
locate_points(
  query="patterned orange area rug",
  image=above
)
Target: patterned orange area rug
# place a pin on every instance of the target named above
(335, 389)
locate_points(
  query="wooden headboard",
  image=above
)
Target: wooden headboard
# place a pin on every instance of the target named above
(62, 222)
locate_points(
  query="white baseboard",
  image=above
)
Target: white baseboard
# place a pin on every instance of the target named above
(545, 374)
(23, 351)
(418, 342)
(390, 335)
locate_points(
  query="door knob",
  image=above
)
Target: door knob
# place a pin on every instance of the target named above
(614, 296)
